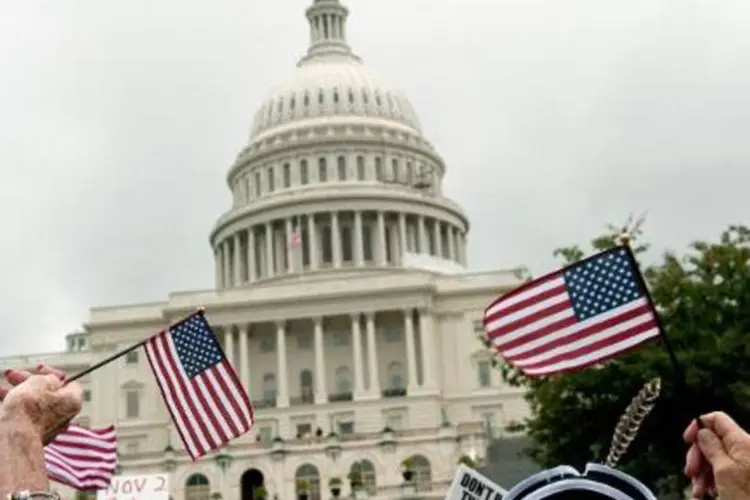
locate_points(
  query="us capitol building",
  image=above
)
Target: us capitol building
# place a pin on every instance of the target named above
(341, 297)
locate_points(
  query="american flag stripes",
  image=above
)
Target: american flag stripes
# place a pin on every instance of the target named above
(576, 317)
(202, 392)
(84, 459)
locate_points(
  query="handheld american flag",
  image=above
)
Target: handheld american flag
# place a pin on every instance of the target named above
(573, 318)
(202, 392)
(84, 459)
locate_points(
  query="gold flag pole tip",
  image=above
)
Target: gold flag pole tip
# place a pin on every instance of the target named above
(201, 310)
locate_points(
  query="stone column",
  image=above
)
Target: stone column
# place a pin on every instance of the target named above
(461, 248)
(251, 275)
(372, 356)
(359, 387)
(436, 239)
(245, 360)
(321, 396)
(381, 257)
(229, 344)
(218, 270)
(312, 241)
(336, 240)
(236, 242)
(424, 247)
(452, 243)
(429, 355)
(359, 250)
(282, 398)
(227, 262)
(411, 353)
(290, 249)
(269, 250)
(402, 236)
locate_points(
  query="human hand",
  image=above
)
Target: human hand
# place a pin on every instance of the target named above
(39, 401)
(718, 461)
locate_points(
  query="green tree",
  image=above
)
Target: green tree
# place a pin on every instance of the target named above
(704, 302)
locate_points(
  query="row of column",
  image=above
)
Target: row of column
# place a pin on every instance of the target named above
(428, 356)
(296, 244)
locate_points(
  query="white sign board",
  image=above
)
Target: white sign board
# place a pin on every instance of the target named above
(468, 484)
(145, 487)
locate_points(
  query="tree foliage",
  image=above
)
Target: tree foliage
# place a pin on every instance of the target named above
(704, 302)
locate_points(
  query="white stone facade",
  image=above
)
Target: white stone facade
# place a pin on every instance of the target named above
(326, 328)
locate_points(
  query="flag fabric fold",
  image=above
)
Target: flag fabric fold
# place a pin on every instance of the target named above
(578, 316)
(84, 459)
(203, 394)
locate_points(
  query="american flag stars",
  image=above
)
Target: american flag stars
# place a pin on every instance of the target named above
(196, 346)
(602, 284)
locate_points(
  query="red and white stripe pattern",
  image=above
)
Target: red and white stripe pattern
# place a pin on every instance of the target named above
(84, 459)
(573, 318)
(202, 392)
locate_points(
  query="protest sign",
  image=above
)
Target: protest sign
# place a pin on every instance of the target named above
(141, 487)
(469, 484)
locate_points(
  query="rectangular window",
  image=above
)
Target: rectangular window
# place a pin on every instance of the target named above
(87, 395)
(346, 428)
(304, 430)
(367, 243)
(131, 358)
(392, 335)
(379, 169)
(265, 433)
(490, 425)
(132, 404)
(304, 175)
(268, 343)
(360, 168)
(396, 173)
(322, 170)
(271, 183)
(395, 422)
(484, 373)
(257, 184)
(341, 167)
(304, 341)
(341, 339)
(287, 175)
(326, 245)
(347, 252)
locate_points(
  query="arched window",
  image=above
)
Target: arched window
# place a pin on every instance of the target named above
(366, 472)
(422, 472)
(395, 376)
(343, 380)
(269, 387)
(306, 386)
(307, 478)
(197, 487)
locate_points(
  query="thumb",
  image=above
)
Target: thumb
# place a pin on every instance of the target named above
(711, 447)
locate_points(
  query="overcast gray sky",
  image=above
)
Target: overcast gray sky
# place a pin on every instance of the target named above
(119, 120)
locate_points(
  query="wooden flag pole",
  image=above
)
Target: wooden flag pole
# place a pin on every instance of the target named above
(122, 353)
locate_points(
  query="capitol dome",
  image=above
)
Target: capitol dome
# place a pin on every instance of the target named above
(336, 176)
(330, 81)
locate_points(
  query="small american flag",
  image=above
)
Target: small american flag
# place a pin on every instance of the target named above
(84, 459)
(200, 388)
(573, 318)
(295, 239)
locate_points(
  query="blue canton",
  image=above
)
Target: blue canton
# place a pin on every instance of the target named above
(196, 345)
(602, 284)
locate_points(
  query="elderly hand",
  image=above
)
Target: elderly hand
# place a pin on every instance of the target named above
(718, 460)
(39, 402)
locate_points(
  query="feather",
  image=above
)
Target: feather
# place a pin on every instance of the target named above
(631, 420)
